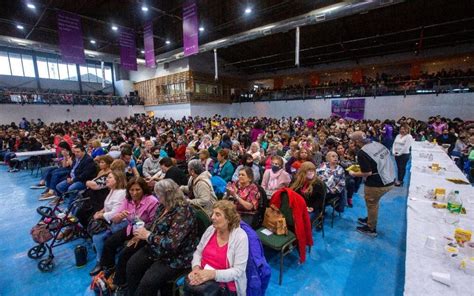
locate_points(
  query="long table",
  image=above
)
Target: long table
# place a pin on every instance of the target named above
(27, 154)
(423, 220)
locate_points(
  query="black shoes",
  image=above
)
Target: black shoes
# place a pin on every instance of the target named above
(367, 231)
(362, 221)
(96, 270)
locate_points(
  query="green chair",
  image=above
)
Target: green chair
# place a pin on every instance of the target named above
(282, 243)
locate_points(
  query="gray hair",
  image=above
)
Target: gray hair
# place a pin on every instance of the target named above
(196, 166)
(169, 193)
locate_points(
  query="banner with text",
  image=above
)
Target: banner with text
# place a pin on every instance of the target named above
(128, 49)
(349, 109)
(190, 28)
(149, 45)
(71, 44)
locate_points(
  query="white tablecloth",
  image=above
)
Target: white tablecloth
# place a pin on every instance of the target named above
(423, 220)
(27, 154)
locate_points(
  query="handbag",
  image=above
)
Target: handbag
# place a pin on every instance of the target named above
(275, 221)
(40, 233)
(209, 288)
(96, 226)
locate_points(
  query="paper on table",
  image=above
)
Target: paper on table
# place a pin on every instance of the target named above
(266, 231)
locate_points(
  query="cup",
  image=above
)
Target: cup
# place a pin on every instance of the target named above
(138, 225)
(444, 278)
(430, 243)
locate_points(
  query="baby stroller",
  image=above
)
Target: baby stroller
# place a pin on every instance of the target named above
(52, 223)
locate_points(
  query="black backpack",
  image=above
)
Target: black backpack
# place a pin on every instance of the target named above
(263, 204)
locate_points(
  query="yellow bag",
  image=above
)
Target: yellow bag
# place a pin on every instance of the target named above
(275, 221)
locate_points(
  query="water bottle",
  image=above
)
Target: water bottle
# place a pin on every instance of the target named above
(454, 202)
(138, 223)
(80, 252)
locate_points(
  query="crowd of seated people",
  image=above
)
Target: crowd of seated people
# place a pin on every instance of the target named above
(61, 97)
(150, 175)
(443, 81)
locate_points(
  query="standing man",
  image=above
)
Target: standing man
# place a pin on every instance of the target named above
(376, 165)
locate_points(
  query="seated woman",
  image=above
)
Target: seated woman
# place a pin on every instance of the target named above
(96, 190)
(97, 149)
(333, 176)
(116, 182)
(276, 177)
(221, 256)
(293, 165)
(345, 162)
(255, 152)
(245, 195)
(206, 160)
(168, 244)
(311, 188)
(248, 161)
(223, 167)
(140, 205)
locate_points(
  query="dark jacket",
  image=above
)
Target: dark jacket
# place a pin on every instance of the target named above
(176, 174)
(86, 170)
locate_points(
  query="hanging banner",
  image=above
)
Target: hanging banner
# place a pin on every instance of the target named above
(128, 49)
(149, 45)
(349, 109)
(71, 44)
(190, 28)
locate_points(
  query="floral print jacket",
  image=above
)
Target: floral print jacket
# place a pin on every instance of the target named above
(174, 236)
(335, 180)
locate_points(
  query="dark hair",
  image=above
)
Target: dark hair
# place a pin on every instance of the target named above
(64, 145)
(167, 162)
(246, 156)
(80, 147)
(224, 153)
(126, 151)
(140, 182)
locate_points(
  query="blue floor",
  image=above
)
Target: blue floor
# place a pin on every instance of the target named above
(343, 263)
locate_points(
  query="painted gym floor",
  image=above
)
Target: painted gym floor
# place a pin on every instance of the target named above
(343, 263)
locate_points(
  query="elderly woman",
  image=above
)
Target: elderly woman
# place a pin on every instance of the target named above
(311, 188)
(199, 189)
(276, 177)
(170, 242)
(206, 142)
(236, 152)
(140, 206)
(221, 256)
(351, 182)
(223, 167)
(116, 182)
(97, 149)
(333, 175)
(206, 160)
(255, 152)
(245, 195)
(401, 150)
(247, 161)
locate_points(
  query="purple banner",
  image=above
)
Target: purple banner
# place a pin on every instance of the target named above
(149, 45)
(128, 49)
(70, 38)
(190, 28)
(349, 109)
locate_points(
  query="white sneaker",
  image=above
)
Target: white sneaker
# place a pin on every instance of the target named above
(38, 186)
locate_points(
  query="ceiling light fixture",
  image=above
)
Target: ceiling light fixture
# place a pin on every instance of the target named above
(31, 6)
(20, 27)
(115, 28)
(248, 10)
(142, 51)
(144, 8)
(93, 41)
(201, 29)
(168, 42)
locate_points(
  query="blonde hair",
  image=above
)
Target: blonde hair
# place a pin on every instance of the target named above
(300, 178)
(230, 213)
(120, 179)
(118, 165)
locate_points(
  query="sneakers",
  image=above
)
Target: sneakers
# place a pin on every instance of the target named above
(362, 221)
(367, 231)
(47, 196)
(13, 170)
(38, 186)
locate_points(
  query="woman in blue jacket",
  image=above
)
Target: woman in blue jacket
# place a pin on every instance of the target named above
(223, 167)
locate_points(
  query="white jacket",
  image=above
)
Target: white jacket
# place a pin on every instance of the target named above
(237, 255)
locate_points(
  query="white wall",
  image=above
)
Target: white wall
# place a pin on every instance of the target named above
(175, 111)
(145, 73)
(208, 110)
(123, 87)
(57, 113)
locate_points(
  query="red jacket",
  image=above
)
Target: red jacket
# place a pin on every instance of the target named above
(303, 229)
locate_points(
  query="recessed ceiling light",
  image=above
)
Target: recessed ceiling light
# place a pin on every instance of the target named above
(20, 27)
(115, 28)
(167, 42)
(93, 41)
(144, 8)
(248, 10)
(142, 51)
(201, 29)
(31, 6)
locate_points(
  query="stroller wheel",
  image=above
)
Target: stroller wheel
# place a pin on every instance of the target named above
(37, 252)
(44, 211)
(46, 265)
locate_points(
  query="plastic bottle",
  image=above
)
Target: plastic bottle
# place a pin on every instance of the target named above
(454, 202)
